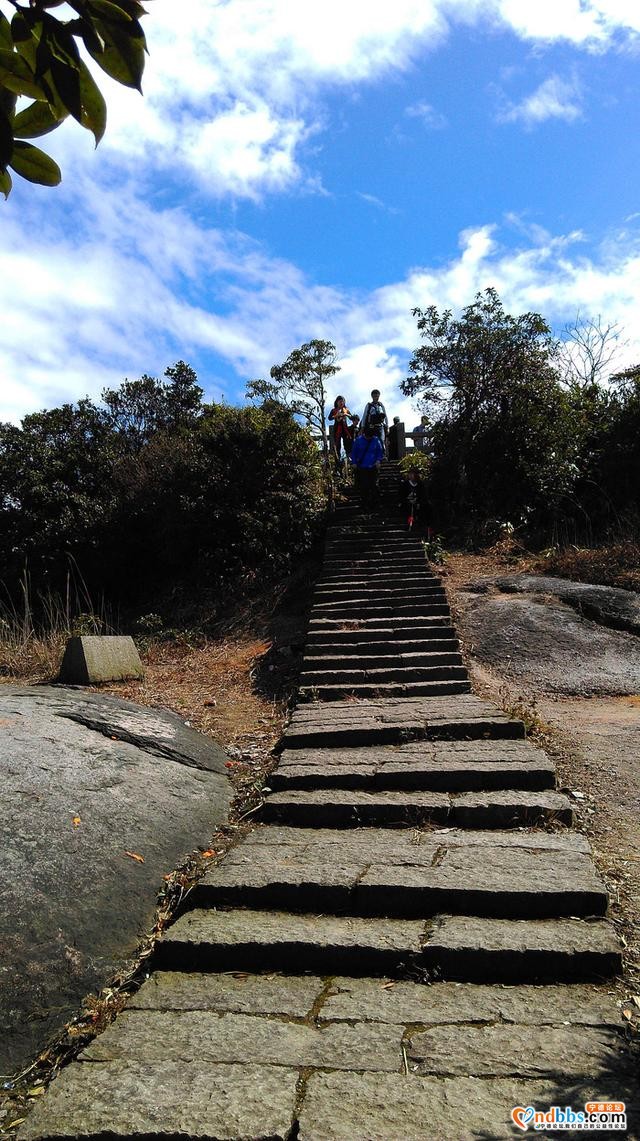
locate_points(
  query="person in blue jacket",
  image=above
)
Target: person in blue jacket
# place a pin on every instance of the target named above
(366, 453)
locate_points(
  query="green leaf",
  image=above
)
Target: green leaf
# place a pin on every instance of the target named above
(63, 46)
(16, 74)
(20, 27)
(133, 7)
(108, 11)
(123, 54)
(94, 108)
(34, 165)
(92, 41)
(5, 183)
(6, 139)
(6, 39)
(67, 84)
(37, 119)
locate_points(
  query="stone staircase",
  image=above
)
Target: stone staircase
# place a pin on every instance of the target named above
(413, 940)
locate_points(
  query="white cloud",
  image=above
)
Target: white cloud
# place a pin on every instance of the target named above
(234, 89)
(555, 98)
(135, 288)
(588, 23)
(427, 115)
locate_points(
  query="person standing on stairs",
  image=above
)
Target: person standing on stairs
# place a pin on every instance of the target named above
(414, 503)
(375, 416)
(366, 454)
(342, 430)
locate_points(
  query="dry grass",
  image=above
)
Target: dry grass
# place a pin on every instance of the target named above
(615, 565)
(210, 686)
(33, 658)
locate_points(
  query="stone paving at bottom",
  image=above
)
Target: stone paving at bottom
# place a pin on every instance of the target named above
(250, 1056)
(411, 944)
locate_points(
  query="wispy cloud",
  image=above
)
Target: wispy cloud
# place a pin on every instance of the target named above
(144, 286)
(428, 116)
(373, 200)
(233, 90)
(555, 98)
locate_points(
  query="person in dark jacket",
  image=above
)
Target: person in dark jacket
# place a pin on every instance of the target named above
(414, 501)
(375, 416)
(366, 454)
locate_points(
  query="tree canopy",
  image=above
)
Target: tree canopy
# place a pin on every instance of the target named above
(41, 60)
(300, 383)
(154, 494)
(503, 436)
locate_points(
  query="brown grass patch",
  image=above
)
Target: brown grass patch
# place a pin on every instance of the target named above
(210, 686)
(615, 565)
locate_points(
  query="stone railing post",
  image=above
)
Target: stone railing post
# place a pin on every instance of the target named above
(397, 442)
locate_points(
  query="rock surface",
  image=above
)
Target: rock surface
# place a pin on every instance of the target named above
(563, 637)
(87, 779)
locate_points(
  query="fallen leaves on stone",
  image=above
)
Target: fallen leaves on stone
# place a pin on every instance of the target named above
(135, 856)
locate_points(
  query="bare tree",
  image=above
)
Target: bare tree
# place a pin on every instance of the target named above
(588, 350)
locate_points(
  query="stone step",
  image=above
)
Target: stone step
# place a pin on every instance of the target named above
(369, 601)
(379, 541)
(269, 940)
(340, 691)
(399, 674)
(378, 662)
(362, 691)
(384, 582)
(377, 563)
(348, 808)
(450, 947)
(367, 591)
(405, 624)
(393, 721)
(440, 766)
(472, 949)
(370, 611)
(372, 872)
(391, 533)
(323, 645)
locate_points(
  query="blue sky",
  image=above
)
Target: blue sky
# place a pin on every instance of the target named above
(317, 170)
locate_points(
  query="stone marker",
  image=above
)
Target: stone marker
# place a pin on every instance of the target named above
(91, 659)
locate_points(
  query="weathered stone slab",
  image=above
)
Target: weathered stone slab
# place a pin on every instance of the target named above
(377, 873)
(132, 1098)
(317, 662)
(399, 673)
(206, 1036)
(292, 995)
(378, 690)
(402, 847)
(335, 808)
(473, 948)
(559, 1052)
(92, 659)
(385, 1106)
(455, 1003)
(503, 809)
(515, 884)
(436, 776)
(395, 720)
(236, 940)
(343, 808)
